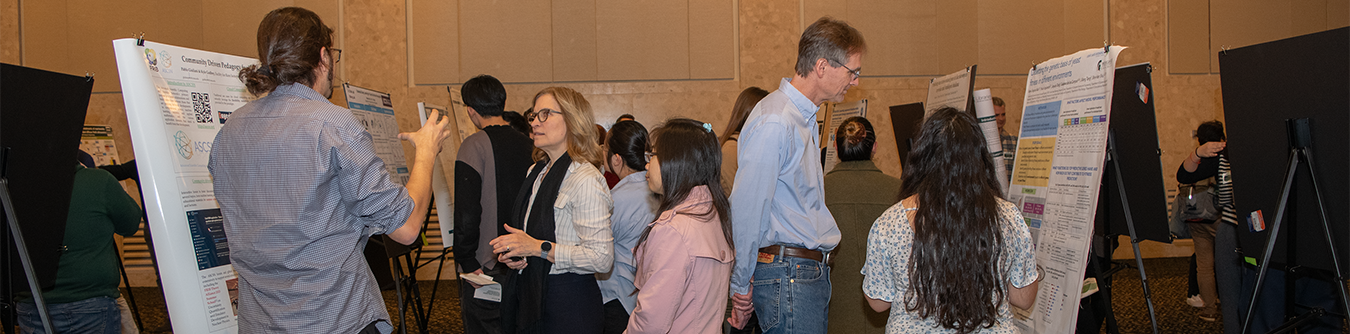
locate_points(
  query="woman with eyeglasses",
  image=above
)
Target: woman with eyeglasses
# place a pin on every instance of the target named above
(560, 236)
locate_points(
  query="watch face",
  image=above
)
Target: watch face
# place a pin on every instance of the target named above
(546, 246)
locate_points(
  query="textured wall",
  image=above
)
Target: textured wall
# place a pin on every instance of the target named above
(9, 31)
(375, 41)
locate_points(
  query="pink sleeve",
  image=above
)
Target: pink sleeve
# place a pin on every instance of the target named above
(663, 279)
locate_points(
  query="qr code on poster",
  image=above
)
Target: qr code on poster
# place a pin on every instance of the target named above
(201, 106)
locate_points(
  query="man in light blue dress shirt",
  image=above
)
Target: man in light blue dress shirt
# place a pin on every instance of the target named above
(782, 230)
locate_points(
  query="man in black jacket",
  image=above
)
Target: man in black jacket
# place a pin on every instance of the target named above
(489, 169)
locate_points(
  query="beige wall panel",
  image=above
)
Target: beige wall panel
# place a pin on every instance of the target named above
(510, 40)
(9, 31)
(1083, 24)
(1239, 23)
(712, 43)
(44, 36)
(434, 42)
(574, 40)
(642, 39)
(813, 10)
(231, 27)
(1307, 16)
(1011, 41)
(902, 36)
(99, 22)
(1188, 36)
(769, 30)
(958, 40)
(1338, 13)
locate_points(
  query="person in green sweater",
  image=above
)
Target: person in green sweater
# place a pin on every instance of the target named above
(83, 300)
(856, 192)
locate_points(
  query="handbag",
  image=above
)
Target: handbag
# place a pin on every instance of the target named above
(1199, 203)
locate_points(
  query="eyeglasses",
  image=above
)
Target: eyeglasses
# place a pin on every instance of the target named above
(542, 115)
(650, 155)
(856, 73)
(337, 56)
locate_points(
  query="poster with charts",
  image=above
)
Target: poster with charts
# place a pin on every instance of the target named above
(97, 140)
(375, 110)
(838, 114)
(1057, 173)
(176, 100)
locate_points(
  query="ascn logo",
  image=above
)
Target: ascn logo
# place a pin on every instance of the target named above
(183, 144)
(187, 148)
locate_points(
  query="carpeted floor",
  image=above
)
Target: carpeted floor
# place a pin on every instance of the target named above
(1167, 281)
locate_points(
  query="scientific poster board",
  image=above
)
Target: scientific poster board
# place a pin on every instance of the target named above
(375, 111)
(176, 100)
(97, 140)
(984, 111)
(1057, 175)
(463, 124)
(952, 90)
(840, 113)
(440, 187)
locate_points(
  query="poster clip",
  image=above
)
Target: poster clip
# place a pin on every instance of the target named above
(1223, 50)
(1148, 68)
(140, 40)
(1106, 47)
(1033, 66)
(88, 76)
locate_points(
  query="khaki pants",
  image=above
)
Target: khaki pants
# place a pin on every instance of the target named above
(1203, 235)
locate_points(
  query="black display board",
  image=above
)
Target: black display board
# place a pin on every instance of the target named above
(1264, 84)
(1134, 127)
(905, 121)
(41, 116)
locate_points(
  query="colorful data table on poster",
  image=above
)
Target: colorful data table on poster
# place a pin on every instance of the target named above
(177, 99)
(1057, 174)
(375, 110)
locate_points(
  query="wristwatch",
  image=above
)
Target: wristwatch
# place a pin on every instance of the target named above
(544, 248)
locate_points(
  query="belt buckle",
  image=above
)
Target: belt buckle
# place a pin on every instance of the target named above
(827, 257)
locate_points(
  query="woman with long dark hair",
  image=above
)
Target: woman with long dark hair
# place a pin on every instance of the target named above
(953, 254)
(739, 113)
(560, 236)
(634, 208)
(685, 255)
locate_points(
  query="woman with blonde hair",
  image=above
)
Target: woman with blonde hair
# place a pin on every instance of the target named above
(560, 236)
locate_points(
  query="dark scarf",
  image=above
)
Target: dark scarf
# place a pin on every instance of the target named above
(523, 291)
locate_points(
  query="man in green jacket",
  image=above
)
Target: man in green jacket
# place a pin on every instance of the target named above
(84, 297)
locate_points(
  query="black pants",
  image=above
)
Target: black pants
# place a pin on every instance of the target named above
(573, 305)
(479, 316)
(616, 317)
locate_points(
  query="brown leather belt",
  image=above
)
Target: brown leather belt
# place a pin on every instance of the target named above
(809, 254)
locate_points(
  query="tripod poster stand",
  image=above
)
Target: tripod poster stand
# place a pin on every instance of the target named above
(1265, 85)
(1132, 154)
(41, 116)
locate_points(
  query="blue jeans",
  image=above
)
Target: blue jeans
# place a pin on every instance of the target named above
(792, 295)
(93, 315)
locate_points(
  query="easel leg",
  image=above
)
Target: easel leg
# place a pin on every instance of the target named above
(1270, 239)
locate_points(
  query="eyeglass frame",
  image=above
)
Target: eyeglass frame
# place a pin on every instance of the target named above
(856, 73)
(337, 58)
(542, 115)
(649, 155)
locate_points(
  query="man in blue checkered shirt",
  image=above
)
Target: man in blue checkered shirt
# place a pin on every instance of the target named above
(301, 190)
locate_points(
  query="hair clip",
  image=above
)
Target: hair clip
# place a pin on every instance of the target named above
(707, 126)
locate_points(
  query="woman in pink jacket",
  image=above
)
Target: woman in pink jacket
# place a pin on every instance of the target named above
(685, 256)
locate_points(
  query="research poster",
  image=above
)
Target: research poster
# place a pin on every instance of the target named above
(1057, 173)
(840, 113)
(375, 111)
(952, 90)
(439, 186)
(984, 111)
(176, 100)
(97, 140)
